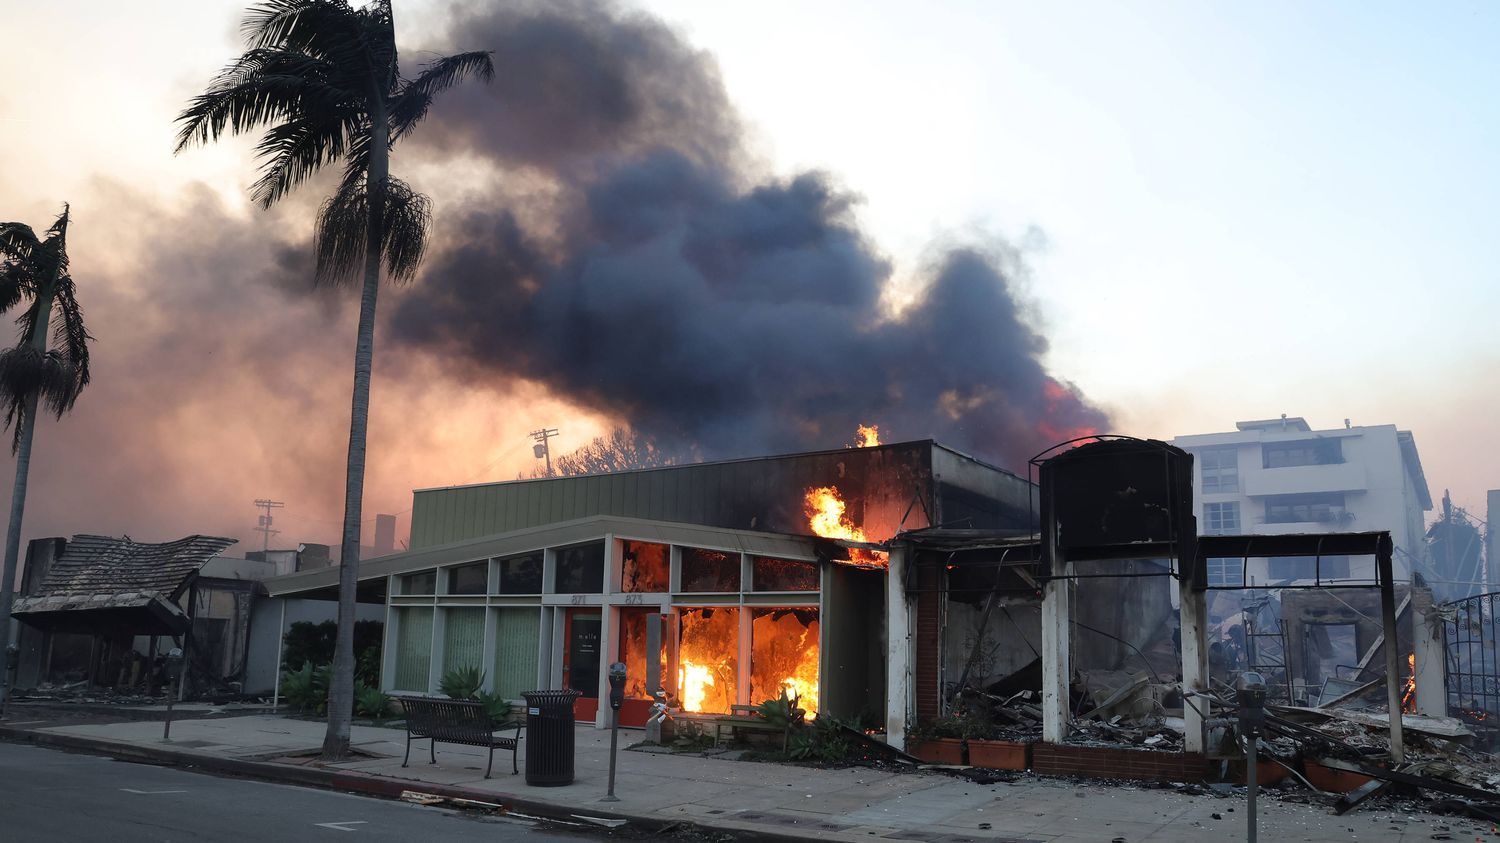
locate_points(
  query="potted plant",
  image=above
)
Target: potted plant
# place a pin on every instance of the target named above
(939, 740)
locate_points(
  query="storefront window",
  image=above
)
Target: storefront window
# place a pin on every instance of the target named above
(769, 574)
(647, 567)
(469, 579)
(784, 656)
(580, 570)
(708, 659)
(710, 570)
(422, 582)
(521, 574)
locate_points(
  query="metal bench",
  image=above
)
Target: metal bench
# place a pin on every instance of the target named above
(457, 721)
(748, 717)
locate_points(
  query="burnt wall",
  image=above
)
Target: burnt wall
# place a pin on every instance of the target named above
(881, 485)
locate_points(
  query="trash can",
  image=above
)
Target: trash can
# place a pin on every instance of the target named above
(549, 737)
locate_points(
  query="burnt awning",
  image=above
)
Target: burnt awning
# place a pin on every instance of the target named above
(105, 585)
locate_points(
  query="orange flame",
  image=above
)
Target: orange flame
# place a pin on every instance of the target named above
(825, 515)
(1408, 698)
(868, 436)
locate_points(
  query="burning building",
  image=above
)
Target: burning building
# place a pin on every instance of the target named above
(722, 583)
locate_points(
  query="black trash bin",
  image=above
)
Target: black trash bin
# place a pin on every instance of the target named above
(549, 737)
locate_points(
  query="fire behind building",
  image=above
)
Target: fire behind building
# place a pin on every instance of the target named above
(542, 583)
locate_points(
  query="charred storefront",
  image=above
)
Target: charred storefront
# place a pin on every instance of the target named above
(721, 584)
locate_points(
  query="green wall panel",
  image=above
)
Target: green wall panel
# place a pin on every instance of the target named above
(517, 639)
(413, 648)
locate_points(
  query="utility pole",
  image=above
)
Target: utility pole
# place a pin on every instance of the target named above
(265, 528)
(541, 448)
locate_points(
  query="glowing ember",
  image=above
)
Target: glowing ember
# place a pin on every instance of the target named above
(825, 515)
(868, 437)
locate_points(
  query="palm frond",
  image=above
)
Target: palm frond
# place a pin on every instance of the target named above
(294, 150)
(326, 28)
(416, 96)
(343, 226)
(30, 374)
(17, 240)
(70, 339)
(253, 101)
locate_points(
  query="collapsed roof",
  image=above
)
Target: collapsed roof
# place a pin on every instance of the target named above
(103, 584)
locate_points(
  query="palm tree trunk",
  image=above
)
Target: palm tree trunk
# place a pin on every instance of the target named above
(341, 683)
(18, 500)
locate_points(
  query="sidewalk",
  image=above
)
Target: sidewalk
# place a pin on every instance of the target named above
(754, 800)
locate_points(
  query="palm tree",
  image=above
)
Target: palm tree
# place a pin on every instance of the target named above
(323, 78)
(30, 373)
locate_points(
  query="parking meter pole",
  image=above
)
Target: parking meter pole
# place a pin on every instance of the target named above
(12, 660)
(616, 699)
(174, 658)
(1252, 700)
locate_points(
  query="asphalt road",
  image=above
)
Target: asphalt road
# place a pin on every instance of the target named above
(47, 795)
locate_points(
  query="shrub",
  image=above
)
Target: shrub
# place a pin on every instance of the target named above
(306, 642)
(462, 683)
(825, 739)
(782, 710)
(496, 706)
(371, 702)
(306, 689)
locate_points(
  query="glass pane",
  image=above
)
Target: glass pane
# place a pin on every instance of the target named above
(463, 638)
(424, 582)
(633, 651)
(647, 567)
(470, 579)
(708, 659)
(769, 574)
(784, 655)
(580, 570)
(710, 570)
(413, 648)
(521, 575)
(517, 639)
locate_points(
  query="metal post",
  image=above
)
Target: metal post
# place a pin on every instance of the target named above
(280, 643)
(1393, 681)
(174, 657)
(614, 744)
(12, 661)
(1251, 775)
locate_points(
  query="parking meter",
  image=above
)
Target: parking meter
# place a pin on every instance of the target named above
(616, 699)
(1252, 697)
(12, 658)
(174, 661)
(616, 685)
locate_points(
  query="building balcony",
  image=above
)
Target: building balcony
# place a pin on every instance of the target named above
(1304, 479)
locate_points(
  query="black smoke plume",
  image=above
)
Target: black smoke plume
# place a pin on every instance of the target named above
(642, 267)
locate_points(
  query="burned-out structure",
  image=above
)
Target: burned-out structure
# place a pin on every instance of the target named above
(759, 575)
(94, 608)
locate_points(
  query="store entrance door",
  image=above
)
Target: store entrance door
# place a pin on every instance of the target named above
(581, 660)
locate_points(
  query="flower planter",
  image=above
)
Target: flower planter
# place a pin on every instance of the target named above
(938, 751)
(1000, 755)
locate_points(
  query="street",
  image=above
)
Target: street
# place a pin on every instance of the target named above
(49, 795)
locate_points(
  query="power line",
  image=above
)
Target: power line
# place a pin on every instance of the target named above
(265, 527)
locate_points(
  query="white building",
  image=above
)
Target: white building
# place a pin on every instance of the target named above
(1281, 476)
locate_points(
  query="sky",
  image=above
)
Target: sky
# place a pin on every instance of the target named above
(1227, 211)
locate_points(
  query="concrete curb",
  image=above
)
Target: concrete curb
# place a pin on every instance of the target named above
(369, 785)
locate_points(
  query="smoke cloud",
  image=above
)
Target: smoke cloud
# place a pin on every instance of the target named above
(606, 251)
(670, 285)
